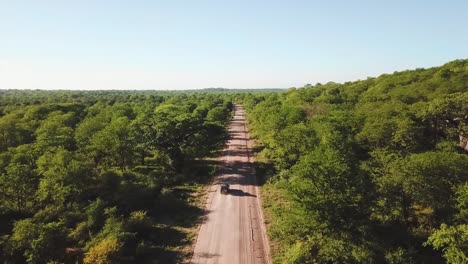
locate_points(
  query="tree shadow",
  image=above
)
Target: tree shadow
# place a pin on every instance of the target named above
(263, 172)
(234, 153)
(238, 138)
(163, 244)
(227, 179)
(237, 192)
(175, 210)
(206, 255)
(159, 254)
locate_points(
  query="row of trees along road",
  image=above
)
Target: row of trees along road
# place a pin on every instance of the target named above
(368, 171)
(104, 176)
(362, 172)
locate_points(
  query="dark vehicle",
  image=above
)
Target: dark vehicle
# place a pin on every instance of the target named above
(224, 188)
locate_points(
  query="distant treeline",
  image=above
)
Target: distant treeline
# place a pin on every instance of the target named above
(368, 171)
(11, 97)
(103, 176)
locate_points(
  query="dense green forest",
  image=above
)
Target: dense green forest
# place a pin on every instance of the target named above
(370, 171)
(104, 176)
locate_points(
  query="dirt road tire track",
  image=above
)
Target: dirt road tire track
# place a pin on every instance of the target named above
(233, 230)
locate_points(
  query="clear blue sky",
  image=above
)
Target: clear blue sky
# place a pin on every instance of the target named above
(91, 44)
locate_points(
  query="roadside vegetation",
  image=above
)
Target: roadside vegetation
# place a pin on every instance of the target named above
(370, 171)
(105, 176)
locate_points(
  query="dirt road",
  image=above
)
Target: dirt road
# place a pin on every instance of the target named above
(233, 230)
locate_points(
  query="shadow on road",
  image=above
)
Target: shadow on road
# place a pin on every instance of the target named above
(236, 192)
(234, 153)
(237, 138)
(207, 255)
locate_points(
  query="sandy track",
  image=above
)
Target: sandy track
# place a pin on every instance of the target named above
(232, 231)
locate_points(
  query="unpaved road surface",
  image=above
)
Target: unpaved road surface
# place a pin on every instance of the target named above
(233, 230)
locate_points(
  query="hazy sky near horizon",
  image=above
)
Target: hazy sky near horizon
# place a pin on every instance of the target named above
(175, 44)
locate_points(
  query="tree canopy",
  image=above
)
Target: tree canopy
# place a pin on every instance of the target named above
(372, 170)
(91, 177)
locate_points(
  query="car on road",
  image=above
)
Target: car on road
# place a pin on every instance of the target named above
(224, 188)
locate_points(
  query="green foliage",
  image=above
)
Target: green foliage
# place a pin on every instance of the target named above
(18, 185)
(83, 174)
(19, 178)
(325, 184)
(462, 202)
(359, 172)
(14, 131)
(39, 243)
(368, 169)
(399, 256)
(105, 252)
(114, 145)
(421, 171)
(65, 177)
(453, 240)
(95, 216)
(55, 132)
(218, 114)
